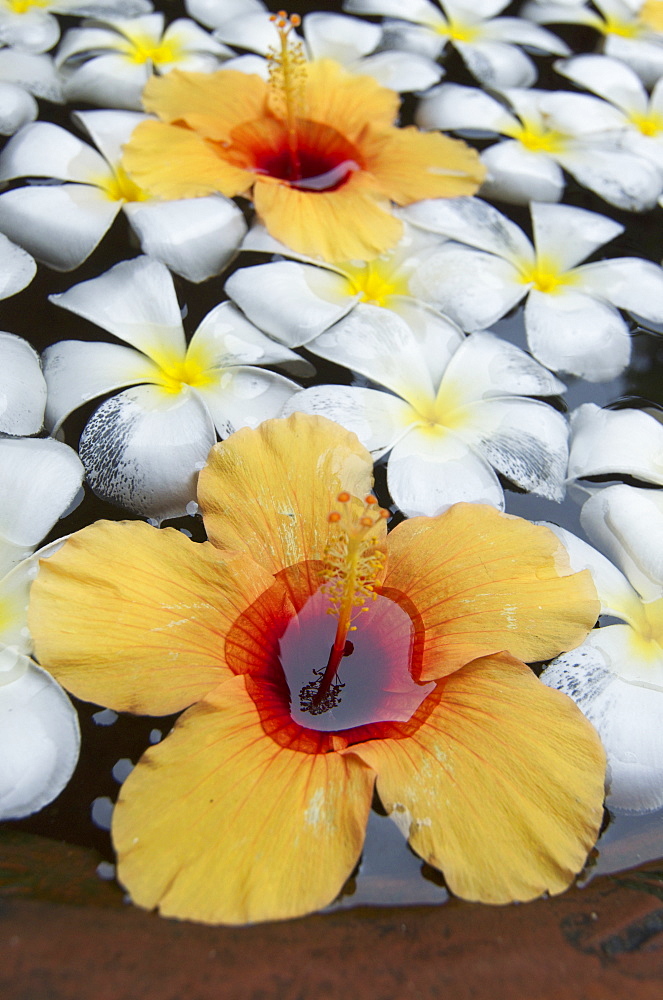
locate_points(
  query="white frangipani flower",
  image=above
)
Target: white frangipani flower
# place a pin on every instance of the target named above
(642, 115)
(22, 386)
(454, 412)
(142, 449)
(572, 313)
(24, 76)
(347, 40)
(487, 44)
(31, 25)
(108, 63)
(632, 30)
(39, 736)
(546, 132)
(626, 442)
(296, 301)
(17, 268)
(616, 675)
(61, 224)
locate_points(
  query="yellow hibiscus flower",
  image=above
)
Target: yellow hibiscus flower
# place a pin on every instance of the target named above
(322, 657)
(315, 147)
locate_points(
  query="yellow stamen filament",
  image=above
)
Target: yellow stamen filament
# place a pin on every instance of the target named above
(353, 561)
(287, 76)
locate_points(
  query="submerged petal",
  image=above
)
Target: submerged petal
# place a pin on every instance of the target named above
(134, 617)
(500, 787)
(22, 386)
(221, 824)
(261, 494)
(492, 583)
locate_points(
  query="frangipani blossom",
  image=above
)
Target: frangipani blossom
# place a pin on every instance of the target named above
(572, 315)
(39, 736)
(454, 411)
(315, 148)
(488, 45)
(642, 115)
(632, 29)
(616, 675)
(626, 442)
(347, 40)
(31, 25)
(143, 448)
(546, 132)
(255, 806)
(61, 224)
(108, 63)
(24, 76)
(295, 302)
(22, 385)
(17, 268)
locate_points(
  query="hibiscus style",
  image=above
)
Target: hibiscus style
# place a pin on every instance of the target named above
(321, 659)
(315, 147)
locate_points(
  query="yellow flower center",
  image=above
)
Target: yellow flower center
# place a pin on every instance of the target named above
(546, 276)
(23, 6)
(118, 186)
(647, 631)
(141, 48)
(457, 31)
(376, 281)
(438, 415)
(651, 14)
(617, 26)
(193, 370)
(649, 123)
(539, 139)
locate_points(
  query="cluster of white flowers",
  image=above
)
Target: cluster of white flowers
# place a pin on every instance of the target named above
(452, 409)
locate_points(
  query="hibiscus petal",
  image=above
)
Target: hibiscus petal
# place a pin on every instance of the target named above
(221, 824)
(500, 787)
(492, 583)
(143, 448)
(259, 494)
(135, 618)
(628, 720)
(575, 333)
(22, 385)
(431, 468)
(625, 441)
(39, 742)
(59, 225)
(196, 238)
(291, 302)
(135, 301)
(39, 480)
(627, 524)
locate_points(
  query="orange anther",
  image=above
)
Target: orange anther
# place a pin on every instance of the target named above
(343, 497)
(370, 499)
(334, 517)
(295, 20)
(384, 513)
(366, 522)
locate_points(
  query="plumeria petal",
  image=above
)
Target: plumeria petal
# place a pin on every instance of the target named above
(59, 225)
(519, 175)
(568, 235)
(143, 448)
(40, 479)
(402, 71)
(334, 36)
(608, 441)
(629, 283)
(496, 64)
(429, 469)
(22, 385)
(627, 718)
(17, 108)
(486, 366)
(452, 106)
(46, 150)
(525, 771)
(225, 337)
(609, 78)
(621, 178)
(474, 222)
(614, 518)
(17, 268)
(287, 519)
(92, 600)
(243, 397)
(39, 742)
(577, 334)
(34, 73)
(195, 238)
(463, 618)
(644, 56)
(135, 301)
(289, 860)
(77, 371)
(292, 302)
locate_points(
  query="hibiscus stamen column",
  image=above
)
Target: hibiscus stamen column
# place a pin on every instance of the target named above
(287, 74)
(352, 563)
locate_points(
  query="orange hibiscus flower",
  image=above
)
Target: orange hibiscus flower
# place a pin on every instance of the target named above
(316, 148)
(321, 658)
